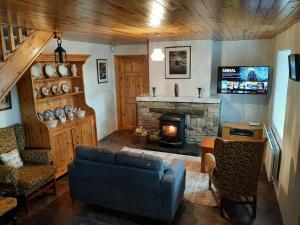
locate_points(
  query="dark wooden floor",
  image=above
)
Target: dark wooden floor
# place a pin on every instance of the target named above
(58, 210)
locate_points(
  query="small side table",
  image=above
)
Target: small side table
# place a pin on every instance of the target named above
(207, 146)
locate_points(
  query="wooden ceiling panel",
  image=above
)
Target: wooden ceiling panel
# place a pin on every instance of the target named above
(132, 21)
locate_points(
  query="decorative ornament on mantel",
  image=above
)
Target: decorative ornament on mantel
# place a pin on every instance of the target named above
(153, 91)
(176, 90)
(199, 92)
(59, 52)
(157, 55)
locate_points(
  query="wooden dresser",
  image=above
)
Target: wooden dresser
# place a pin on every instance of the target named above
(62, 139)
(241, 131)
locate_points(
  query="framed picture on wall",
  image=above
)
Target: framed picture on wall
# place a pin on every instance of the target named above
(178, 62)
(5, 103)
(102, 70)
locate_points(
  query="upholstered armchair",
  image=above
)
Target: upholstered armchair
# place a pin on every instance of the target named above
(36, 172)
(234, 170)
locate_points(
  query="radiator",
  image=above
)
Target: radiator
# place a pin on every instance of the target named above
(272, 156)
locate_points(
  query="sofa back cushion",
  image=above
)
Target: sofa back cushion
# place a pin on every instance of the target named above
(95, 154)
(8, 141)
(139, 160)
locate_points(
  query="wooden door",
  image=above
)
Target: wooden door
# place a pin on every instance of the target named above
(132, 81)
(62, 151)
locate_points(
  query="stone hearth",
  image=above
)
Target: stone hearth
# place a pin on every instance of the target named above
(202, 114)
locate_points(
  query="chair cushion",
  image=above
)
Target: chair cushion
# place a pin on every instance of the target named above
(32, 177)
(12, 158)
(7, 204)
(95, 154)
(8, 140)
(139, 160)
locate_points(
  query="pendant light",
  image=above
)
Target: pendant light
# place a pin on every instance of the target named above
(157, 55)
(60, 53)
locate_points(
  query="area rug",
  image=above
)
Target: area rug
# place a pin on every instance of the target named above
(196, 190)
(196, 185)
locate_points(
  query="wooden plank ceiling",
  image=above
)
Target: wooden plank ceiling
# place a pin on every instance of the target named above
(136, 21)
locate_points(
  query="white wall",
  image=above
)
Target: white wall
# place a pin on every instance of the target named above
(244, 108)
(11, 116)
(101, 97)
(288, 189)
(201, 67)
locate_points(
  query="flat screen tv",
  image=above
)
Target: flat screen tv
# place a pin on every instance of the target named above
(243, 80)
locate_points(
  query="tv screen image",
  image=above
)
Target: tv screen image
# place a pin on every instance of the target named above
(243, 79)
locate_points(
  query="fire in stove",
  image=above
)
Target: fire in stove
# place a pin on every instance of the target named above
(172, 130)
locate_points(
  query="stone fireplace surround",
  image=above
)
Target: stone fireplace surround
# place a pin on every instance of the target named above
(201, 114)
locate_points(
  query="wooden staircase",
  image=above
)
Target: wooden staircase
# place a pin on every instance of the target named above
(19, 47)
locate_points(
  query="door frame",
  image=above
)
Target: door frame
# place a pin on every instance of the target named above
(118, 74)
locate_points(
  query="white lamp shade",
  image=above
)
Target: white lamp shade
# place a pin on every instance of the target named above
(157, 55)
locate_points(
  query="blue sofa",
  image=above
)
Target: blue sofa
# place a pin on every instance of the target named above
(131, 182)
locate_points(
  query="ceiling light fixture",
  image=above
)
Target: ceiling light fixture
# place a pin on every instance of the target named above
(156, 15)
(59, 52)
(157, 55)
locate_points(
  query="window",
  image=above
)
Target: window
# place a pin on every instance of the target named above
(280, 86)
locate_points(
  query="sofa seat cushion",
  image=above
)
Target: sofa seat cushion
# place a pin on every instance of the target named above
(32, 177)
(7, 204)
(139, 160)
(95, 154)
(8, 140)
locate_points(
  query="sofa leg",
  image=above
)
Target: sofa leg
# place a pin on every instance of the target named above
(209, 185)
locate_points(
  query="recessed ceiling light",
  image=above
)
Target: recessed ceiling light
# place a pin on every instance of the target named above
(156, 15)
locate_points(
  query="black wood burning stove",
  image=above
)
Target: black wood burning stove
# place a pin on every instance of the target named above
(172, 130)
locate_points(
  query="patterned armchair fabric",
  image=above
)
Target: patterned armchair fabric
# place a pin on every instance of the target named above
(235, 167)
(36, 171)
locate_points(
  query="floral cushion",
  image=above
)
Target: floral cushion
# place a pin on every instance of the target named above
(8, 140)
(32, 177)
(12, 159)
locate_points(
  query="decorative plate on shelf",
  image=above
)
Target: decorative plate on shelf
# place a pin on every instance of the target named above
(49, 70)
(68, 109)
(59, 113)
(40, 116)
(55, 89)
(65, 87)
(48, 115)
(62, 70)
(36, 71)
(45, 90)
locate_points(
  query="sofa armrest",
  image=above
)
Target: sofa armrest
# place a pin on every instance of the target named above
(210, 163)
(173, 186)
(8, 175)
(39, 156)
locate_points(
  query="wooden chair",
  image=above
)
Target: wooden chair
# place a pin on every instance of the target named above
(234, 170)
(37, 171)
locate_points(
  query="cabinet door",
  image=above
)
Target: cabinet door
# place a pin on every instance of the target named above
(77, 135)
(62, 151)
(89, 133)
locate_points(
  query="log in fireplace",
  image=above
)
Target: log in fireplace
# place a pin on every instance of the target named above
(172, 130)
